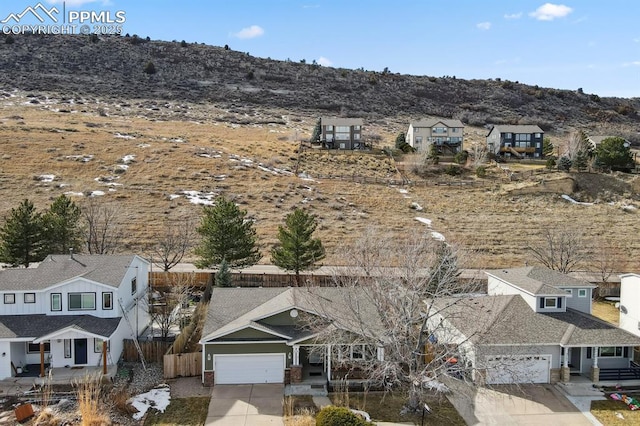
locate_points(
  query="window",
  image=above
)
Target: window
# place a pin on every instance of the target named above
(107, 300)
(35, 347)
(67, 348)
(454, 130)
(356, 136)
(550, 302)
(610, 351)
(56, 301)
(329, 128)
(82, 301)
(357, 352)
(582, 292)
(538, 135)
(418, 140)
(439, 130)
(29, 298)
(9, 298)
(356, 128)
(507, 135)
(97, 345)
(134, 285)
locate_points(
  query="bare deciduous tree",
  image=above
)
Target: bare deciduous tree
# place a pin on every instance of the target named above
(577, 142)
(605, 258)
(166, 310)
(561, 251)
(478, 153)
(385, 304)
(102, 227)
(172, 243)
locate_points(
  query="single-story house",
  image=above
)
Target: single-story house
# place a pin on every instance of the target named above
(261, 335)
(533, 326)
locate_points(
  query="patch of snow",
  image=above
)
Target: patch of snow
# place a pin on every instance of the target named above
(197, 197)
(46, 178)
(403, 191)
(572, 201)
(417, 207)
(265, 169)
(129, 158)
(629, 208)
(306, 176)
(437, 236)
(424, 220)
(96, 193)
(220, 177)
(158, 398)
(123, 166)
(173, 196)
(123, 136)
(361, 413)
(435, 385)
(177, 140)
(143, 145)
(307, 200)
(74, 194)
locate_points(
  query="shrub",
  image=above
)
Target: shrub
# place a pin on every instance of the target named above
(453, 170)
(551, 163)
(150, 68)
(183, 43)
(481, 171)
(9, 39)
(338, 416)
(461, 157)
(564, 164)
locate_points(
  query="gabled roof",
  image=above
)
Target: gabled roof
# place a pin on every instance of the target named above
(55, 269)
(538, 280)
(36, 326)
(517, 128)
(340, 121)
(234, 309)
(508, 320)
(430, 122)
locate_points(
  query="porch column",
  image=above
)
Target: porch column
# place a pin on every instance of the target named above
(296, 354)
(41, 359)
(595, 370)
(565, 372)
(104, 357)
(329, 362)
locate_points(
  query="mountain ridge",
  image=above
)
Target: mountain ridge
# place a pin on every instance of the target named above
(114, 67)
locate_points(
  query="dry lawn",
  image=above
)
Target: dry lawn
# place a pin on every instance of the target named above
(606, 311)
(609, 413)
(175, 149)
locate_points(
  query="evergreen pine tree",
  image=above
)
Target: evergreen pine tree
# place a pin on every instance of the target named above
(401, 139)
(223, 277)
(22, 239)
(227, 235)
(315, 136)
(297, 250)
(62, 226)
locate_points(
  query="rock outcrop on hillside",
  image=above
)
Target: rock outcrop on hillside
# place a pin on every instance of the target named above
(114, 67)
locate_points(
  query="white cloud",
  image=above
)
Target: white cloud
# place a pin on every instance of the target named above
(249, 32)
(631, 64)
(550, 11)
(513, 15)
(325, 62)
(484, 26)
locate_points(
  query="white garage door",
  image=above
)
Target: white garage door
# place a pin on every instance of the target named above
(518, 369)
(254, 368)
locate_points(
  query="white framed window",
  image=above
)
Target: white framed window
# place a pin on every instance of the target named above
(356, 127)
(67, 348)
(329, 128)
(610, 351)
(34, 348)
(356, 136)
(550, 302)
(82, 301)
(97, 345)
(538, 135)
(29, 298)
(582, 292)
(107, 300)
(9, 298)
(56, 301)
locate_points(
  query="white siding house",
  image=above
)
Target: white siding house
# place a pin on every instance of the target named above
(64, 309)
(630, 303)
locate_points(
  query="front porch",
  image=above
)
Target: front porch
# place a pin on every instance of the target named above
(598, 364)
(58, 376)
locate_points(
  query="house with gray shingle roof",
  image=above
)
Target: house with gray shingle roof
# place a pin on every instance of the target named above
(520, 141)
(533, 326)
(446, 135)
(71, 311)
(341, 133)
(261, 335)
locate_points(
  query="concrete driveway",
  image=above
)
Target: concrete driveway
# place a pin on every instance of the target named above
(246, 405)
(523, 405)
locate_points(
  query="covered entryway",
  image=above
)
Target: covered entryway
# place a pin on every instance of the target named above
(246, 369)
(507, 369)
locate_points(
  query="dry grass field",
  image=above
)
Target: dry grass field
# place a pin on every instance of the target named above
(157, 161)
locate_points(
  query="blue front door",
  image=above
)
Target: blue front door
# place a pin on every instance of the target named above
(80, 351)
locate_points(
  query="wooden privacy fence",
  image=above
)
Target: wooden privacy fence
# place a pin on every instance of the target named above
(182, 365)
(280, 280)
(152, 350)
(159, 279)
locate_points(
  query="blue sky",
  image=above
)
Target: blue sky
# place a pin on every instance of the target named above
(592, 44)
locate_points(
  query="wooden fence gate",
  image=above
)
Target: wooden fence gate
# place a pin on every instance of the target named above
(182, 365)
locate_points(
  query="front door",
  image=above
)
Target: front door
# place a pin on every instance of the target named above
(576, 360)
(80, 351)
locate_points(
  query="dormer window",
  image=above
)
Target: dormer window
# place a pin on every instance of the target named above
(550, 302)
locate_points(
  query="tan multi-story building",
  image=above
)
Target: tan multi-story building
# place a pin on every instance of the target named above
(447, 135)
